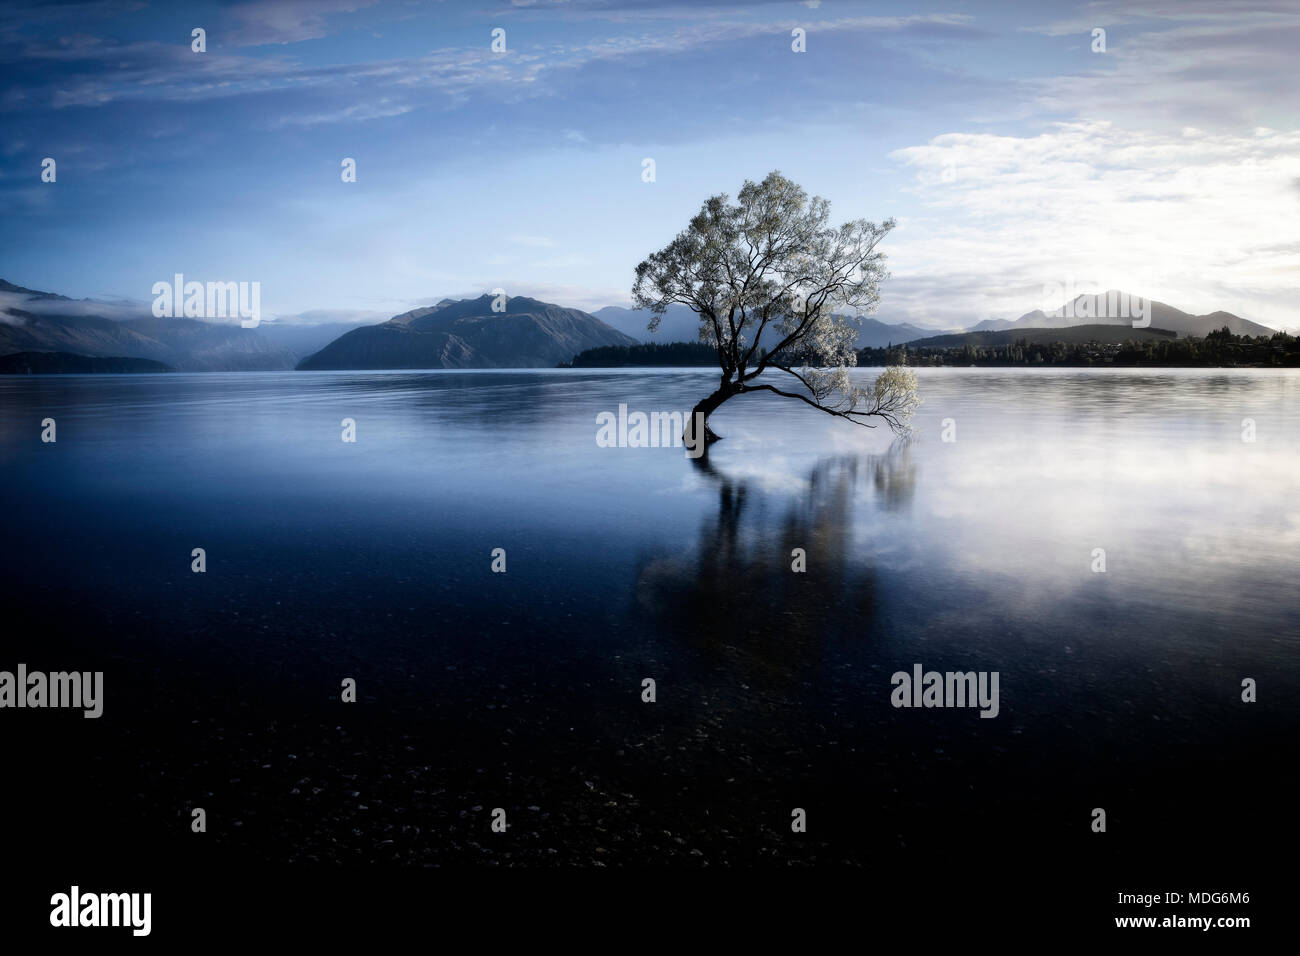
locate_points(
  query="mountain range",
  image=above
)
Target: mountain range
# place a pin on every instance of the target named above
(680, 324)
(1105, 308)
(465, 333)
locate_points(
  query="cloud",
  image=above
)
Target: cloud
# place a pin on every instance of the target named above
(1192, 219)
(80, 71)
(115, 310)
(10, 300)
(286, 21)
(333, 317)
(96, 71)
(1175, 64)
(1102, 13)
(537, 242)
(378, 109)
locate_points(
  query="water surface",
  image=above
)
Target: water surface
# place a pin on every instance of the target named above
(372, 560)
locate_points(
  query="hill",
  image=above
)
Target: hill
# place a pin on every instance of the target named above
(300, 340)
(1077, 334)
(682, 324)
(468, 334)
(65, 363)
(678, 324)
(1114, 307)
(647, 355)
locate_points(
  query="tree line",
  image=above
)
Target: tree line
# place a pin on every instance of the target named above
(1217, 349)
(1220, 348)
(649, 354)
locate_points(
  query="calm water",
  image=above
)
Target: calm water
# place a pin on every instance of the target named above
(371, 559)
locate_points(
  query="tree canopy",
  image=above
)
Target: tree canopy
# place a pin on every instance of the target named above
(779, 288)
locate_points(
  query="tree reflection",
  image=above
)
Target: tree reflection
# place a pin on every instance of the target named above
(735, 600)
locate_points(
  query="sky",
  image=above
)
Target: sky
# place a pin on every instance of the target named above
(1020, 160)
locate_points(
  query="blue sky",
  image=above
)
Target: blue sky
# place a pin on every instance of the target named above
(1016, 158)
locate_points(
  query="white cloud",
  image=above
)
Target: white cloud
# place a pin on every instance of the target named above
(117, 311)
(537, 242)
(1201, 221)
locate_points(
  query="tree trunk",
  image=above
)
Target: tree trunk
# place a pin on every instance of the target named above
(706, 407)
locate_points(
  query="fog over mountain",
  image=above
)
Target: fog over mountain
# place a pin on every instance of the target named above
(35, 321)
(44, 322)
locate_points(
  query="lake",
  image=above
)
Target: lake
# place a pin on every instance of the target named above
(372, 560)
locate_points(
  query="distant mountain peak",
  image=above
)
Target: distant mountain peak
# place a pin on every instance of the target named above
(469, 333)
(19, 290)
(1117, 307)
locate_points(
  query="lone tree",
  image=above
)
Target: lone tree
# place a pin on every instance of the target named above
(770, 268)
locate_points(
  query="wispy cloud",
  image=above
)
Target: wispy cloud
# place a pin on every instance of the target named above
(537, 242)
(288, 21)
